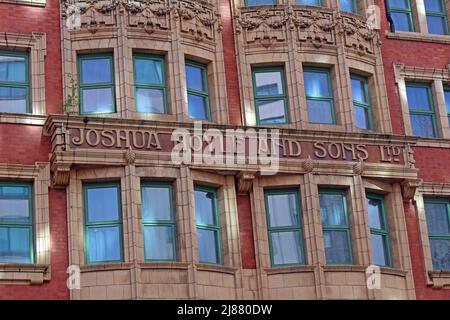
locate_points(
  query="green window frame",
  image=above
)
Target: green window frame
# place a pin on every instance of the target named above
(208, 227)
(160, 223)
(250, 3)
(418, 112)
(204, 94)
(102, 224)
(392, 10)
(381, 231)
(343, 228)
(320, 98)
(353, 6)
(18, 224)
(297, 227)
(100, 85)
(316, 3)
(275, 97)
(18, 85)
(441, 235)
(162, 86)
(447, 102)
(364, 105)
(441, 15)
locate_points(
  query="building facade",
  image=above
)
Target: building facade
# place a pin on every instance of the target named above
(224, 149)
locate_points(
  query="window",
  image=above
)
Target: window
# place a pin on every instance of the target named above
(197, 91)
(270, 95)
(378, 230)
(96, 84)
(149, 84)
(336, 229)
(16, 223)
(310, 2)
(436, 16)
(260, 2)
(447, 102)
(349, 6)
(158, 222)
(284, 227)
(400, 13)
(103, 222)
(361, 102)
(208, 227)
(319, 96)
(14, 82)
(437, 212)
(421, 110)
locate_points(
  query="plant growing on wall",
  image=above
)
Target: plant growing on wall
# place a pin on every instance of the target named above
(71, 102)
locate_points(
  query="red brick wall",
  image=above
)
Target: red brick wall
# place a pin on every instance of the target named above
(246, 231)
(431, 162)
(25, 144)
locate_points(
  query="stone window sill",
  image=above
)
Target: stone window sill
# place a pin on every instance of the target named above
(215, 268)
(289, 269)
(164, 265)
(22, 118)
(23, 273)
(440, 279)
(37, 3)
(416, 36)
(105, 267)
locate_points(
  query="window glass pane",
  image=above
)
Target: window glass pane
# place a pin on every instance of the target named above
(15, 245)
(401, 21)
(447, 100)
(337, 249)
(375, 213)
(104, 244)
(347, 5)
(286, 247)
(14, 203)
(437, 217)
(148, 71)
(13, 99)
(194, 78)
(12, 68)
(398, 4)
(159, 243)
(156, 203)
(379, 250)
(207, 246)
(332, 210)
(96, 70)
(316, 84)
(150, 100)
(418, 98)
(204, 207)
(433, 5)
(198, 107)
(102, 204)
(440, 253)
(362, 118)
(283, 210)
(422, 125)
(310, 2)
(358, 90)
(320, 111)
(98, 100)
(436, 25)
(268, 83)
(259, 2)
(271, 111)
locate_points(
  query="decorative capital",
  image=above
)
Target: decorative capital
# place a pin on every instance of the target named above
(308, 165)
(130, 156)
(245, 181)
(358, 167)
(61, 174)
(409, 188)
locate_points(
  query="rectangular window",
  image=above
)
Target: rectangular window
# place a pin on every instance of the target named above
(158, 222)
(400, 13)
(349, 6)
(378, 230)
(270, 95)
(260, 2)
(16, 223)
(103, 222)
(149, 84)
(336, 227)
(421, 109)
(208, 226)
(14, 82)
(436, 16)
(284, 227)
(447, 102)
(96, 82)
(437, 212)
(319, 96)
(361, 102)
(310, 2)
(197, 91)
